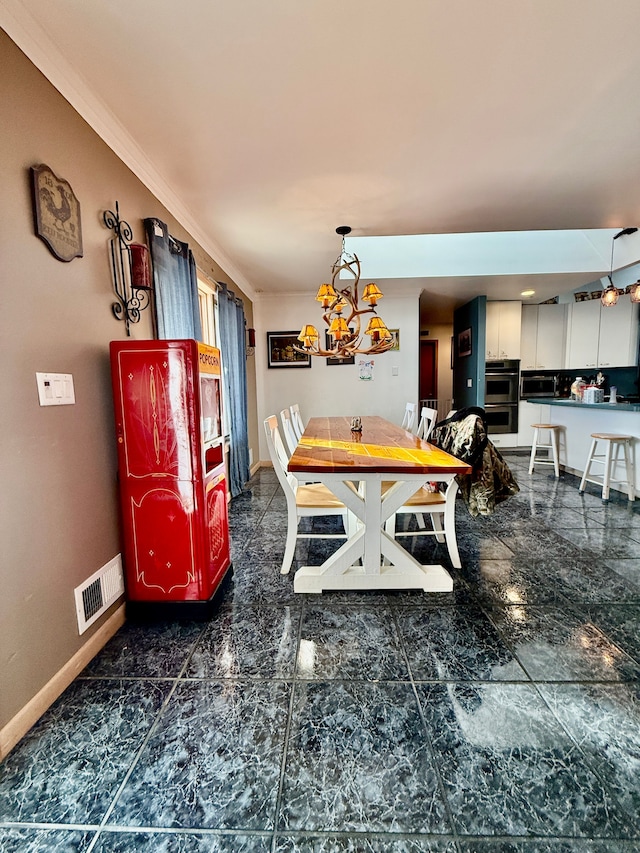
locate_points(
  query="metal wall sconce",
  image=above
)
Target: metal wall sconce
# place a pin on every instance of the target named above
(251, 342)
(131, 270)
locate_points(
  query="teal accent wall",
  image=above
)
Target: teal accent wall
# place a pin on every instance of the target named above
(473, 316)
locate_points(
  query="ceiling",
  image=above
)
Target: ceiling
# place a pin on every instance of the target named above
(264, 125)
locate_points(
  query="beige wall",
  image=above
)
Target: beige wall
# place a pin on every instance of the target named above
(58, 510)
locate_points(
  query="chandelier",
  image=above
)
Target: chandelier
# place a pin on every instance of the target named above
(342, 314)
(610, 293)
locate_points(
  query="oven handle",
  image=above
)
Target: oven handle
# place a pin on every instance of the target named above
(490, 373)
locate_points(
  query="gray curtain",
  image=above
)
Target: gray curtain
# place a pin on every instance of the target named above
(233, 350)
(175, 284)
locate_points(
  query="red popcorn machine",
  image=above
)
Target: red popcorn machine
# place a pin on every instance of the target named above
(171, 472)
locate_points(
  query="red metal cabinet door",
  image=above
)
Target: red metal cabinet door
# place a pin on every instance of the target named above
(155, 419)
(217, 529)
(161, 543)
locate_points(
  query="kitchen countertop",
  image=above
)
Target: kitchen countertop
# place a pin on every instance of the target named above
(556, 401)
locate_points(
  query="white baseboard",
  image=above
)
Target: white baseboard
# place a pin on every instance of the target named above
(19, 725)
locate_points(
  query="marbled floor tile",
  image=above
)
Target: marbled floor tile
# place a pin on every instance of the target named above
(248, 642)
(603, 542)
(538, 540)
(509, 768)
(552, 845)
(361, 844)
(461, 594)
(340, 642)
(590, 499)
(258, 582)
(619, 622)
(248, 501)
(627, 569)
(485, 547)
(146, 650)
(213, 760)
(456, 643)
(605, 722)
(180, 842)
(581, 580)
(626, 516)
(28, 840)
(68, 767)
(358, 761)
(554, 644)
(510, 582)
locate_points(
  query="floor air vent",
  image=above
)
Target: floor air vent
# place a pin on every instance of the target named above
(98, 593)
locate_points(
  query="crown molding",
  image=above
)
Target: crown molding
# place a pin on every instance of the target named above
(34, 42)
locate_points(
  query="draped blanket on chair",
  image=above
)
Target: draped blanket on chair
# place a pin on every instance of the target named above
(464, 435)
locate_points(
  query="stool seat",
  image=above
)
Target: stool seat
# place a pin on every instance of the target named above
(609, 436)
(614, 443)
(553, 445)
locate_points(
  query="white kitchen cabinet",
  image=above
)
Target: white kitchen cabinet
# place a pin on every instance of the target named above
(602, 337)
(503, 330)
(618, 339)
(543, 337)
(528, 413)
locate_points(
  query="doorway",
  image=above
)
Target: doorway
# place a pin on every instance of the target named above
(428, 371)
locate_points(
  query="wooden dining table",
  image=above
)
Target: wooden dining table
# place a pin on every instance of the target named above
(354, 466)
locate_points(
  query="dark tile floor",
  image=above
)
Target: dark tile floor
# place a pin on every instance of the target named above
(501, 718)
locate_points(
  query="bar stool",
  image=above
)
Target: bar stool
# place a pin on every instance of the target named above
(610, 459)
(553, 445)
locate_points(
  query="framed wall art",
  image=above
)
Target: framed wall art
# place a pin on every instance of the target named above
(328, 343)
(281, 352)
(56, 213)
(464, 343)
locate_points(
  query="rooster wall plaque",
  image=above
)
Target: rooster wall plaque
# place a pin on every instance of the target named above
(56, 213)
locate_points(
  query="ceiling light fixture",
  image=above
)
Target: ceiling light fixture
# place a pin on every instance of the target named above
(610, 293)
(527, 293)
(345, 332)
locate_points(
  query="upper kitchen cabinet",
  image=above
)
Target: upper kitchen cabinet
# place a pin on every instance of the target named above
(503, 330)
(602, 337)
(543, 337)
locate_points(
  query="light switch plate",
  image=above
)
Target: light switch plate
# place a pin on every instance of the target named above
(55, 389)
(469, 383)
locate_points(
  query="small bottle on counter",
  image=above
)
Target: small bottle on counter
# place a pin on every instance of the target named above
(613, 394)
(577, 389)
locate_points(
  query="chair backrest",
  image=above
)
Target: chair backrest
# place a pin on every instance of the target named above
(410, 417)
(427, 420)
(296, 420)
(279, 457)
(287, 430)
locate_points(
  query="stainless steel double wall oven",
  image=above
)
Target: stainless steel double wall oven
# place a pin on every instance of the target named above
(501, 393)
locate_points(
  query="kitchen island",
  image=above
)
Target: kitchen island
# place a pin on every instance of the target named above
(581, 419)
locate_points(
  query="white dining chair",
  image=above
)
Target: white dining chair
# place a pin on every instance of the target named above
(290, 438)
(427, 421)
(410, 417)
(440, 506)
(303, 500)
(296, 420)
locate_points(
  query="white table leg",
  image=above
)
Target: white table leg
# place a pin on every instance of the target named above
(371, 543)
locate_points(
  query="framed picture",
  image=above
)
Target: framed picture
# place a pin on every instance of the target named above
(464, 343)
(281, 352)
(56, 213)
(328, 343)
(396, 346)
